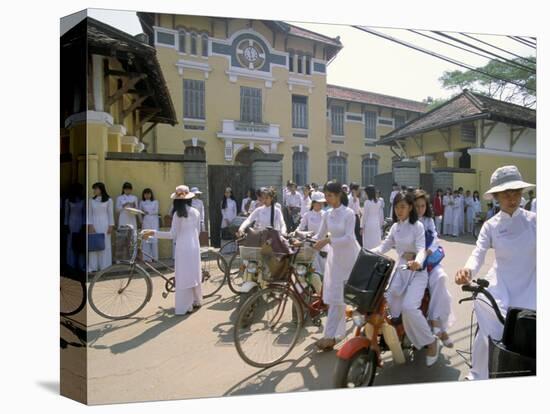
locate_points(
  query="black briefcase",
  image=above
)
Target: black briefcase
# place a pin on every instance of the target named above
(367, 281)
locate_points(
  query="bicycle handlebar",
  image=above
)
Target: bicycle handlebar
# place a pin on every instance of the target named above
(480, 286)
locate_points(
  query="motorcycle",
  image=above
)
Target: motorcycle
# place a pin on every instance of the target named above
(375, 331)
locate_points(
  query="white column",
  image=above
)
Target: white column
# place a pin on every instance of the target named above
(295, 63)
(97, 70)
(304, 63)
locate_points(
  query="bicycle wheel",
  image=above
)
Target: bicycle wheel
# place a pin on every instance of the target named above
(120, 291)
(72, 296)
(268, 326)
(235, 278)
(228, 251)
(212, 276)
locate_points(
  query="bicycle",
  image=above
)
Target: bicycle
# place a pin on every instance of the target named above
(123, 290)
(278, 312)
(506, 357)
(72, 293)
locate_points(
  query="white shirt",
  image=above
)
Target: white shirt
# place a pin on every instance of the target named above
(229, 213)
(311, 221)
(534, 205)
(125, 217)
(513, 273)
(199, 205)
(355, 205)
(243, 205)
(392, 195)
(293, 200)
(405, 237)
(306, 205)
(262, 217)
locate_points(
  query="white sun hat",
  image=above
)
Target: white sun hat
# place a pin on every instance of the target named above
(182, 192)
(506, 178)
(318, 197)
(195, 190)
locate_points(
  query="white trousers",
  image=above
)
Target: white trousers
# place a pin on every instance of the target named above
(186, 298)
(438, 224)
(408, 305)
(447, 224)
(440, 308)
(336, 322)
(489, 325)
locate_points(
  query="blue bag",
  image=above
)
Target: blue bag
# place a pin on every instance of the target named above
(436, 257)
(96, 242)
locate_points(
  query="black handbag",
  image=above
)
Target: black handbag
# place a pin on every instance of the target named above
(367, 281)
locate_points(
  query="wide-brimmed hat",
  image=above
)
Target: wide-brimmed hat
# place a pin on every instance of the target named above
(195, 190)
(182, 193)
(318, 197)
(506, 178)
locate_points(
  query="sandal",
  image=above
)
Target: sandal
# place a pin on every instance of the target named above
(326, 344)
(447, 341)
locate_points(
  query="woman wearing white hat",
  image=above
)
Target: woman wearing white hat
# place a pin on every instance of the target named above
(197, 203)
(311, 221)
(512, 277)
(185, 229)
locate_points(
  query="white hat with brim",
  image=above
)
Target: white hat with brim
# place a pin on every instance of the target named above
(506, 178)
(318, 197)
(195, 190)
(182, 193)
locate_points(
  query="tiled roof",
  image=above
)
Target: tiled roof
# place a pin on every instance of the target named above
(466, 106)
(356, 95)
(308, 34)
(112, 42)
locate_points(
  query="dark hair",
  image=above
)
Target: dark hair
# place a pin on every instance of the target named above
(371, 193)
(145, 191)
(474, 195)
(180, 206)
(421, 194)
(308, 187)
(335, 187)
(409, 199)
(395, 185)
(224, 202)
(439, 190)
(353, 186)
(252, 192)
(125, 186)
(104, 195)
(75, 192)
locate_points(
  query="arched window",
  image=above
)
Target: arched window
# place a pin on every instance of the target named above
(193, 44)
(299, 167)
(204, 45)
(337, 168)
(369, 170)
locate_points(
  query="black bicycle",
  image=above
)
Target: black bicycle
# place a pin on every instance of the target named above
(515, 354)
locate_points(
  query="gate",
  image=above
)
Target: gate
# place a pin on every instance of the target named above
(219, 177)
(383, 183)
(427, 183)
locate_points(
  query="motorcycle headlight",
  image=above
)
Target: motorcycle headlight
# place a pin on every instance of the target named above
(301, 270)
(251, 267)
(358, 319)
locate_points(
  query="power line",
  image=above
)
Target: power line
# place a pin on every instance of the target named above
(442, 57)
(521, 41)
(527, 40)
(512, 64)
(483, 50)
(498, 48)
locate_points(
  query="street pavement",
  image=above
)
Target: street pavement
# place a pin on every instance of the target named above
(157, 355)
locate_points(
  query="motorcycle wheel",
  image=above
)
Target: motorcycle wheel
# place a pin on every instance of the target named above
(358, 371)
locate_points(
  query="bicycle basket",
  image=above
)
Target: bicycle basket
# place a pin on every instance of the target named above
(306, 254)
(250, 253)
(368, 279)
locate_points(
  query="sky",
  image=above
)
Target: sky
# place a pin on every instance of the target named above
(371, 63)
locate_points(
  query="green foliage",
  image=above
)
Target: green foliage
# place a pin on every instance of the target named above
(495, 88)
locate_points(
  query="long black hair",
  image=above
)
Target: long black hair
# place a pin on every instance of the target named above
(335, 187)
(180, 206)
(104, 195)
(409, 199)
(270, 192)
(125, 186)
(371, 193)
(224, 202)
(421, 194)
(145, 191)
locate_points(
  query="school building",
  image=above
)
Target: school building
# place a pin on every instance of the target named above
(215, 102)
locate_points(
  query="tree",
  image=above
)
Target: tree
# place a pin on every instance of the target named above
(434, 103)
(477, 82)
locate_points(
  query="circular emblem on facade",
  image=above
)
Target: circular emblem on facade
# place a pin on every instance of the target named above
(250, 54)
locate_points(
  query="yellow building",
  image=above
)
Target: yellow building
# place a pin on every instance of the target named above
(461, 143)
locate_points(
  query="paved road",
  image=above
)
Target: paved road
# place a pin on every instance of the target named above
(158, 356)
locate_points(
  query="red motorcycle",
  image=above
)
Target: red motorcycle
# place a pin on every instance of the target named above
(375, 331)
